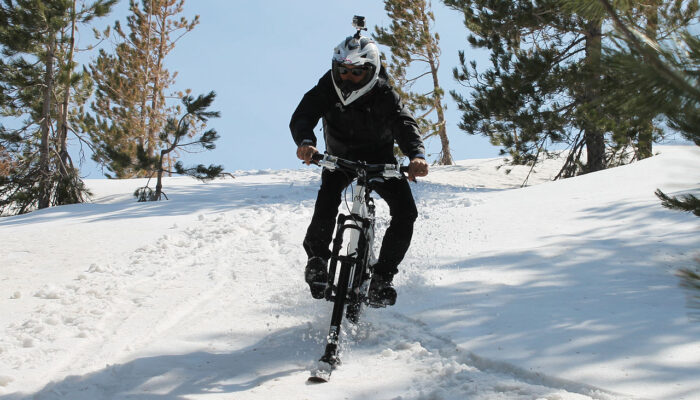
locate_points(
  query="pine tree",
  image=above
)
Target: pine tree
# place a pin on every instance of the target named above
(549, 85)
(662, 58)
(652, 72)
(657, 61)
(130, 102)
(174, 133)
(36, 70)
(411, 41)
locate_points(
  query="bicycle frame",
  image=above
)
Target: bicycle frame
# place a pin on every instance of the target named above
(357, 232)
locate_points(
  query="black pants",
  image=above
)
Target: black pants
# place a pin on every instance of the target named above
(397, 238)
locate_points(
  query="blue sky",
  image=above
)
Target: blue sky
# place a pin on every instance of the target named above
(262, 56)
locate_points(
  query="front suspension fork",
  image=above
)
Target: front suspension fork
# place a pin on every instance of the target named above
(351, 270)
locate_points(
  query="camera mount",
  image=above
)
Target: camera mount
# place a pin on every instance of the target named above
(358, 22)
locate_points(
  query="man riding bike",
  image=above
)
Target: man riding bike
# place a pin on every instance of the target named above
(362, 118)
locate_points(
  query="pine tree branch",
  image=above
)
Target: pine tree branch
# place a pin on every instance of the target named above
(427, 113)
(419, 59)
(409, 81)
(687, 203)
(565, 55)
(650, 57)
(184, 146)
(575, 150)
(537, 156)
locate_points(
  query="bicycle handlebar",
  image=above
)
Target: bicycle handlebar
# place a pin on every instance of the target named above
(385, 170)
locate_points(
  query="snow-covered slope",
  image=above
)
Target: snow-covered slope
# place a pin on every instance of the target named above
(561, 290)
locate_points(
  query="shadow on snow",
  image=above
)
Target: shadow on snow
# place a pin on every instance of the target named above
(602, 299)
(276, 355)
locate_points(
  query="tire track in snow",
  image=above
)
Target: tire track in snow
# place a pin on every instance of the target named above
(92, 319)
(208, 262)
(121, 306)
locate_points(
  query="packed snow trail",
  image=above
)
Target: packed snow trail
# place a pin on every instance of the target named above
(202, 297)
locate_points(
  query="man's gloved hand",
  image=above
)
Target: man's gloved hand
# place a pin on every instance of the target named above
(305, 152)
(417, 167)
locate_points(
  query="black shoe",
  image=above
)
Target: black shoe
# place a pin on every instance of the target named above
(381, 292)
(316, 275)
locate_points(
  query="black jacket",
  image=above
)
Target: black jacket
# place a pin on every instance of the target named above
(364, 130)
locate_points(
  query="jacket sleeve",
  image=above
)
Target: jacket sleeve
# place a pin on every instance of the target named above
(309, 111)
(405, 128)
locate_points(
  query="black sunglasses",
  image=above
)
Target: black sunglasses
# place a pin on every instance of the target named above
(355, 71)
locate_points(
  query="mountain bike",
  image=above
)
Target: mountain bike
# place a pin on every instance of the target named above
(348, 286)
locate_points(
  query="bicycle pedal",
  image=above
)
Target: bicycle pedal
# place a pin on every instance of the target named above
(375, 304)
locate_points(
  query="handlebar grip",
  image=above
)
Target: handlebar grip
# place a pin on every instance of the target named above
(404, 169)
(315, 158)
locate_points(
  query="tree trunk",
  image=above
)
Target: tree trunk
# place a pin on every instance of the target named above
(63, 123)
(154, 120)
(644, 142)
(446, 158)
(645, 138)
(442, 130)
(159, 172)
(44, 151)
(595, 140)
(144, 139)
(159, 181)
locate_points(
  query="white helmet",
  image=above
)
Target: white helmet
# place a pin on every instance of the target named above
(358, 51)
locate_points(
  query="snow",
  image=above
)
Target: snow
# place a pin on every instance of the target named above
(560, 291)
